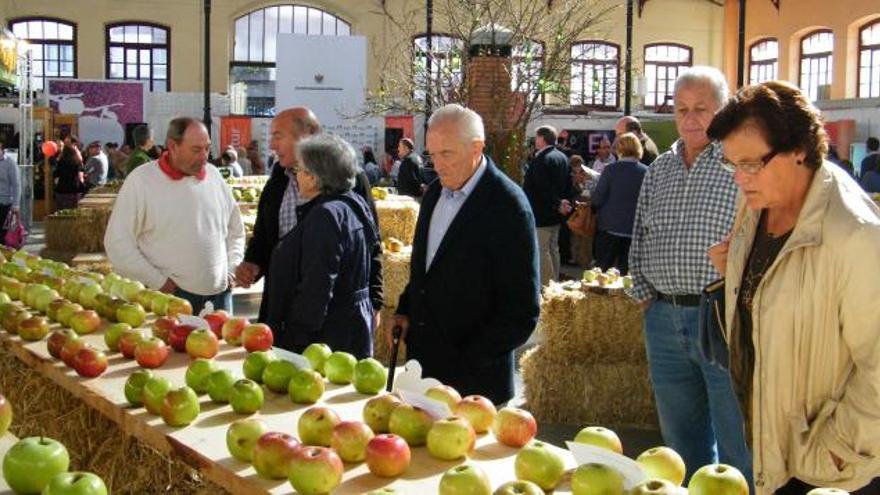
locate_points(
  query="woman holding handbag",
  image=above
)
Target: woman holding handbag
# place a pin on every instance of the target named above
(801, 318)
(10, 188)
(69, 180)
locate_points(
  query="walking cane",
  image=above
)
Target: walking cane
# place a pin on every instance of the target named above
(392, 362)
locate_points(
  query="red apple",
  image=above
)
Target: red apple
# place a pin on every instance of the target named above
(232, 329)
(162, 328)
(57, 340)
(70, 349)
(315, 471)
(514, 427)
(349, 439)
(66, 311)
(178, 336)
(86, 321)
(388, 455)
(33, 328)
(273, 454)
(54, 306)
(478, 410)
(202, 343)
(316, 425)
(89, 362)
(151, 352)
(257, 337)
(216, 321)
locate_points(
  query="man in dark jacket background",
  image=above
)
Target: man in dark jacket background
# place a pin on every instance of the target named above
(547, 184)
(409, 176)
(473, 294)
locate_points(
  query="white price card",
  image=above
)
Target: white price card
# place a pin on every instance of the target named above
(298, 360)
(411, 379)
(194, 321)
(437, 409)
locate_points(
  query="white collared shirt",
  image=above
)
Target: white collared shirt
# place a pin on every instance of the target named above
(445, 211)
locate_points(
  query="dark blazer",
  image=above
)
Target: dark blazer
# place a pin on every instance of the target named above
(318, 286)
(409, 176)
(869, 163)
(480, 299)
(547, 183)
(617, 194)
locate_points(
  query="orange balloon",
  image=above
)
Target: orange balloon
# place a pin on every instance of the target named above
(50, 148)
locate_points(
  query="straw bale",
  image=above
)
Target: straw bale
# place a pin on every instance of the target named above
(95, 443)
(83, 233)
(589, 327)
(397, 218)
(395, 274)
(562, 391)
(381, 347)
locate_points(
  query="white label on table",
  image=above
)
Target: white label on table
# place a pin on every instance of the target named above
(584, 454)
(437, 409)
(411, 379)
(298, 360)
(194, 321)
(207, 309)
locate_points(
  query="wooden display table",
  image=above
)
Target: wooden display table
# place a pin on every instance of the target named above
(202, 444)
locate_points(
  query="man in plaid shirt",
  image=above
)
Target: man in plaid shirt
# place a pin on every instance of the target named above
(687, 204)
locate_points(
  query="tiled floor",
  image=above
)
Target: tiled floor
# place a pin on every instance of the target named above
(247, 303)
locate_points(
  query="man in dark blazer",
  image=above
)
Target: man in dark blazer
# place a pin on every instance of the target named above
(547, 185)
(409, 175)
(473, 294)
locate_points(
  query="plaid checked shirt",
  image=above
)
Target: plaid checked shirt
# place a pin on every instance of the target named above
(287, 215)
(680, 214)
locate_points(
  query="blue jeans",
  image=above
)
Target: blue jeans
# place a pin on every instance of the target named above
(222, 300)
(699, 414)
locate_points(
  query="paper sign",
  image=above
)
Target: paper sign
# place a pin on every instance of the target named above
(437, 409)
(193, 321)
(411, 379)
(207, 309)
(584, 454)
(298, 360)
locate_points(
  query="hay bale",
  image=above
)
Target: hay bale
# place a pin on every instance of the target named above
(397, 218)
(381, 348)
(588, 327)
(126, 465)
(395, 274)
(82, 232)
(558, 390)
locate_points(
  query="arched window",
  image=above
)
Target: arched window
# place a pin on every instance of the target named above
(595, 74)
(53, 45)
(663, 62)
(869, 60)
(527, 64)
(816, 62)
(252, 70)
(763, 61)
(141, 52)
(447, 72)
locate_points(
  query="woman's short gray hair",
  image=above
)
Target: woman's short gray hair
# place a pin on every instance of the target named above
(331, 160)
(703, 74)
(469, 122)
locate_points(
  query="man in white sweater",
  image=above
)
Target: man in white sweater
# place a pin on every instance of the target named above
(175, 226)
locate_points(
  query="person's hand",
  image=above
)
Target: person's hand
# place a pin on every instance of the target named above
(718, 255)
(246, 274)
(565, 207)
(401, 321)
(168, 287)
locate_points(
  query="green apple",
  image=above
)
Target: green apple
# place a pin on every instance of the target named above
(315, 426)
(718, 479)
(154, 392)
(369, 376)
(241, 437)
(160, 303)
(66, 312)
(466, 479)
(317, 355)
(246, 396)
(131, 289)
(197, 374)
(539, 463)
(44, 298)
(32, 462)
(134, 386)
(598, 436)
(339, 368)
(255, 363)
(76, 483)
(132, 313)
(410, 423)
(220, 385)
(377, 412)
(306, 386)
(657, 487)
(315, 471)
(180, 407)
(276, 375)
(4, 298)
(88, 293)
(663, 463)
(113, 333)
(349, 439)
(451, 438)
(519, 487)
(596, 479)
(5, 415)
(445, 394)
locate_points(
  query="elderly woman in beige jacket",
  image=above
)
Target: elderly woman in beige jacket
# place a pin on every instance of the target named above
(802, 269)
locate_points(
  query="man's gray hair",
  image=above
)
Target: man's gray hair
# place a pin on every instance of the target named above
(331, 160)
(468, 122)
(703, 74)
